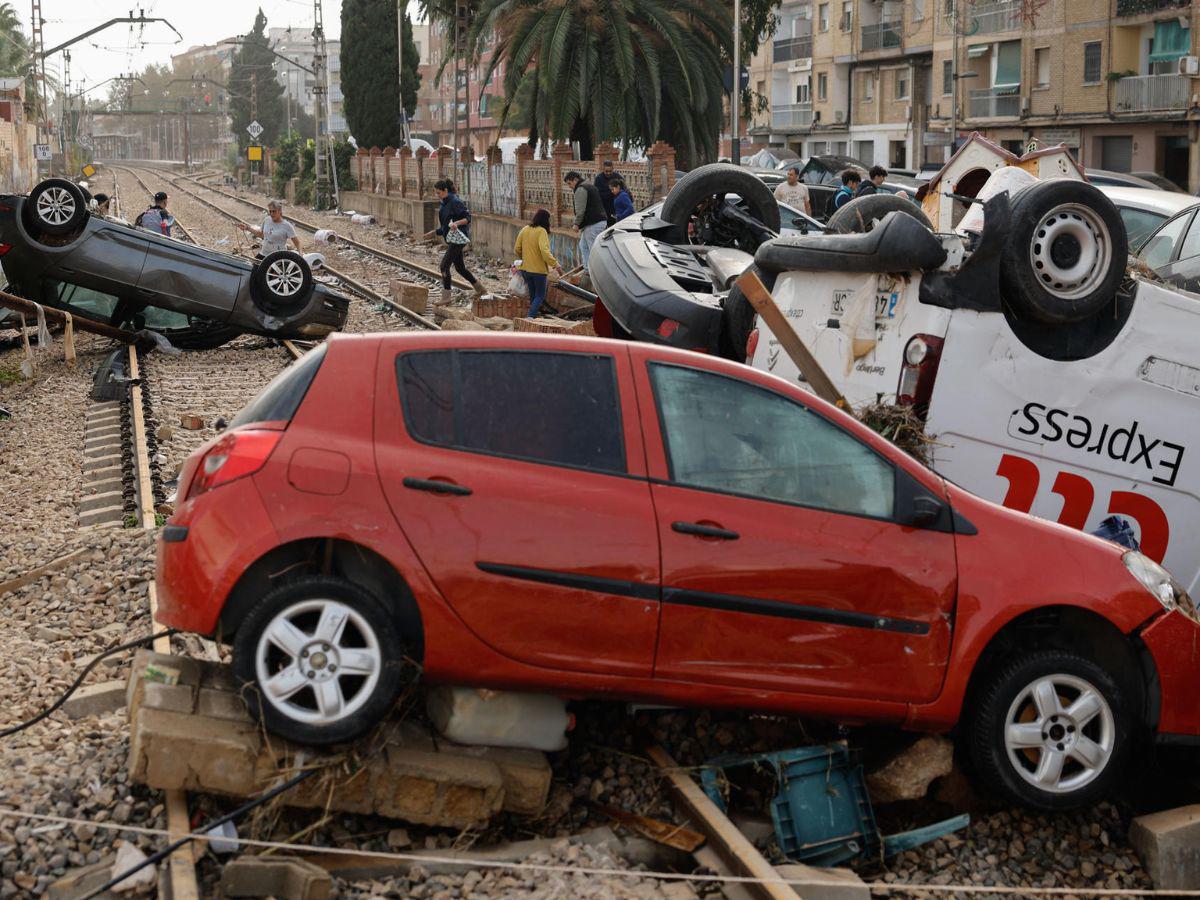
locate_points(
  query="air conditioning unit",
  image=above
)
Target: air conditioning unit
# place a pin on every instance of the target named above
(1189, 65)
(1024, 106)
(839, 116)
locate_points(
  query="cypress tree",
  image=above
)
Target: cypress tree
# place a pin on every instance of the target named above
(369, 59)
(253, 71)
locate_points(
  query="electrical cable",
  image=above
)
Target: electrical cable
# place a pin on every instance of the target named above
(205, 828)
(128, 645)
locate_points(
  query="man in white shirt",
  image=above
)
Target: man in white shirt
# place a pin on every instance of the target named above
(793, 193)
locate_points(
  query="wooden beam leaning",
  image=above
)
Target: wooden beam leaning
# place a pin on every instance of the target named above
(764, 304)
(29, 308)
(723, 836)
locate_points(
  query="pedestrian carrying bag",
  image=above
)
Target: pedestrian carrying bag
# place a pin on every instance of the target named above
(517, 286)
(456, 236)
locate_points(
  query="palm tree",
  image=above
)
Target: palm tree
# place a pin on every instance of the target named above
(591, 70)
(14, 44)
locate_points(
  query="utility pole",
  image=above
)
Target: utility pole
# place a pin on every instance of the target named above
(320, 88)
(400, 12)
(62, 116)
(253, 107)
(187, 135)
(39, 73)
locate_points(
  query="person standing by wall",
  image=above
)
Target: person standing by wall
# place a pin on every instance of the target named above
(455, 228)
(793, 193)
(603, 179)
(622, 202)
(590, 217)
(276, 232)
(533, 249)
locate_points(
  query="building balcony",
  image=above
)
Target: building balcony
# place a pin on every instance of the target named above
(1137, 7)
(791, 116)
(994, 104)
(787, 49)
(990, 18)
(882, 36)
(1153, 93)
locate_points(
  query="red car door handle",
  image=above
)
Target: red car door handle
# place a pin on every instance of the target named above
(437, 487)
(709, 531)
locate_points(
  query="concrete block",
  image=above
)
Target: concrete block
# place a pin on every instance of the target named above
(179, 698)
(79, 883)
(276, 876)
(181, 750)
(1169, 844)
(824, 884)
(163, 668)
(413, 297)
(100, 516)
(526, 775)
(437, 789)
(226, 705)
(95, 699)
(462, 325)
(101, 500)
(102, 462)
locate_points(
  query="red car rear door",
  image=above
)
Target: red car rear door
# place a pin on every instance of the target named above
(519, 478)
(783, 566)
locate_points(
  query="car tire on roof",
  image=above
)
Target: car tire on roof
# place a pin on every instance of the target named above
(860, 215)
(719, 179)
(1052, 730)
(320, 660)
(282, 282)
(737, 319)
(55, 207)
(1066, 252)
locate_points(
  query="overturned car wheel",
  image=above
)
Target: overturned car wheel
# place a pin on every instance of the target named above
(282, 282)
(697, 197)
(861, 214)
(55, 208)
(1066, 252)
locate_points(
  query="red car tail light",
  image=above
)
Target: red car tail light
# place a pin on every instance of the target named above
(751, 344)
(922, 354)
(236, 455)
(667, 327)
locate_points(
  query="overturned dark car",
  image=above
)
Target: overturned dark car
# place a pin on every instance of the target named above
(54, 252)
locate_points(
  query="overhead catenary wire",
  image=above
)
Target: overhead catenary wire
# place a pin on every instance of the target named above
(882, 887)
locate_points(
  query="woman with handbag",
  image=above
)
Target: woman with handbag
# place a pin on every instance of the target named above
(455, 228)
(533, 249)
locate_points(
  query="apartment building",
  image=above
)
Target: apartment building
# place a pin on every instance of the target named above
(294, 70)
(891, 82)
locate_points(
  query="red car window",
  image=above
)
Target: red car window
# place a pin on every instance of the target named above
(727, 435)
(557, 408)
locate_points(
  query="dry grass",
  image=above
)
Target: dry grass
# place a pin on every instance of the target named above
(900, 425)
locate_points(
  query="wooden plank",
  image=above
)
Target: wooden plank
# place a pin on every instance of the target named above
(764, 304)
(181, 865)
(21, 305)
(723, 836)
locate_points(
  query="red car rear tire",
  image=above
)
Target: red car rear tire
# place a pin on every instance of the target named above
(320, 660)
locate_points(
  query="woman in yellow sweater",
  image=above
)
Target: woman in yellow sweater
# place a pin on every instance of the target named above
(533, 249)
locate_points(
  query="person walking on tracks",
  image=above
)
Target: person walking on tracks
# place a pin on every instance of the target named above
(455, 228)
(276, 232)
(156, 218)
(590, 217)
(533, 249)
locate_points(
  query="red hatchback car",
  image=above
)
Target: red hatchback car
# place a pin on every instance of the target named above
(612, 519)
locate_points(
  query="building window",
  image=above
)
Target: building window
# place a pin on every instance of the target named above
(804, 91)
(918, 9)
(901, 84)
(822, 86)
(1091, 62)
(1041, 64)
(947, 77)
(898, 151)
(864, 152)
(868, 86)
(847, 14)
(823, 16)
(948, 9)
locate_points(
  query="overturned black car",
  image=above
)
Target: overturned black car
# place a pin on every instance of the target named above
(54, 252)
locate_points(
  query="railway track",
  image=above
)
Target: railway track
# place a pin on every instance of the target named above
(352, 284)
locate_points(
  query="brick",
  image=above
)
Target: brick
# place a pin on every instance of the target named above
(190, 752)
(188, 671)
(526, 775)
(437, 789)
(276, 876)
(462, 325)
(95, 699)
(78, 883)
(824, 884)
(222, 705)
(413, 297)
(179, 698)
(495, 305)
(1169, 844)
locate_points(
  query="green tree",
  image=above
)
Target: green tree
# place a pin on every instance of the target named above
(252, 83)
(14, 44)
(369, 61)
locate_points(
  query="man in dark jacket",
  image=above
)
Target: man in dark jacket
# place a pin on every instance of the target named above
(603, 181)
(590, 217)
(850, 182)
(877, 173)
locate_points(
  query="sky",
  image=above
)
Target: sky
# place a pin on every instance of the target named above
(121, 48)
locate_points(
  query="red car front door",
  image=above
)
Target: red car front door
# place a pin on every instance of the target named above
(783, 566)
(519, 478)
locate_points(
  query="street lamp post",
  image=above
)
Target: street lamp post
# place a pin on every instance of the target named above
(735, 94)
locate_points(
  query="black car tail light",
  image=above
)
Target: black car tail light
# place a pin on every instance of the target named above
(918, 372)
